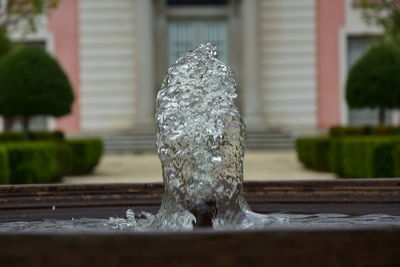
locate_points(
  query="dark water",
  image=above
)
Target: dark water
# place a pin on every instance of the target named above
(277, 221)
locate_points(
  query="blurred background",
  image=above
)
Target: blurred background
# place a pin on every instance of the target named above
(291, 59)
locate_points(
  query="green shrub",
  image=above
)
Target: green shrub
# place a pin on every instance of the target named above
(47, 162)
(382, 159)
(341, 131)
(4, 170)
(47, 136)
(86, 154)
(33, 162)
(33, 83)
(303, 151)
(336, 156)
(11, 137)
(374, 80)
(385, 130)
(314, 152)
(5, 43)
(34, 136)
(354, 158)
(367, 157)
(396, 160)
(64, 157)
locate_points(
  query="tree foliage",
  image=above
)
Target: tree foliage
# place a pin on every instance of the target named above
(384, 14)
(374, 80)
(33, 83)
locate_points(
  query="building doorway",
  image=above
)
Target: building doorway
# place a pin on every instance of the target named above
(185, 34)
(181, 25)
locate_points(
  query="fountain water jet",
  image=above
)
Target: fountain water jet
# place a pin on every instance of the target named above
(201, 142)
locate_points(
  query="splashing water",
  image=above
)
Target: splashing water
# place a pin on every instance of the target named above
(275, 222)
(200, 142)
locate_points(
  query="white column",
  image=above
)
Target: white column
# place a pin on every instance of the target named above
(145, 66)
(252, 98)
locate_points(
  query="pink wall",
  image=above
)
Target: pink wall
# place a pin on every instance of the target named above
(330, 17)
(63, 25)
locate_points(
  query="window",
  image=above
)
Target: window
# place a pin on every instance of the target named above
(182, 25)
(3, 5)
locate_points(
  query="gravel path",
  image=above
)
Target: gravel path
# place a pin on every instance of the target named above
(259, 165)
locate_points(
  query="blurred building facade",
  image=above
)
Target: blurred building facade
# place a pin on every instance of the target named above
(291, 57)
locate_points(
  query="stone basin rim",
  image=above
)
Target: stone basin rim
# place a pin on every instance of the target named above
(65, 201)
(209, 232)
(372, 246)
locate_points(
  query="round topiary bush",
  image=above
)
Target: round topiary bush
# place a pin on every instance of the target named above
(374, 80)
(33, 83)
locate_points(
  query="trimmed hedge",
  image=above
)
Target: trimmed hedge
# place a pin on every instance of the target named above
(385, 130)
(314, 152)
(336, 156)
(46, 136)
(32, 82)
(4, 170)
(5, 43)
(47, 162)
(374, 80)
(396, 160)
(352, 157)
(343, 131)
(11, 137)
(33, 136)
(64, 157)
(34, 162)
(86, 154)
(368, 157)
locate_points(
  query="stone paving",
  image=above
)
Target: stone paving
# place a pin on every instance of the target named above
(259, 165)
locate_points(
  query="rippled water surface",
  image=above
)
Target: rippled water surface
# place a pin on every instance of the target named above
(277, 221)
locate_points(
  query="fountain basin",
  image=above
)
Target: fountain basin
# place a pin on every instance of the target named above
(372, 246)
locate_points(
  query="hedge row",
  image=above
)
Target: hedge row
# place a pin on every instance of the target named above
(32, 162)
(4, 170)
(86, 154)
(368, 157)
(352, 157)
(46, 162)
(33, 136)
(343, 131)
(312, 152)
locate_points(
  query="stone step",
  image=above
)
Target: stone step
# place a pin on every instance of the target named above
(138, 142)
(251, 135)
(152, 140)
